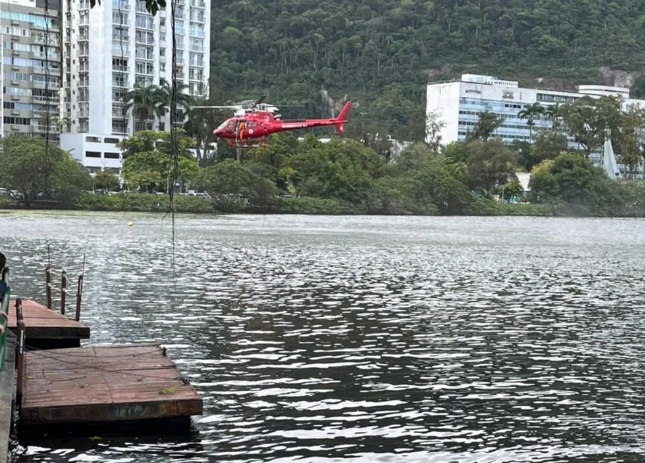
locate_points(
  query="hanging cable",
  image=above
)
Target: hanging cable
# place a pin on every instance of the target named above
(174, 143)
(47, 116)
(123, 68)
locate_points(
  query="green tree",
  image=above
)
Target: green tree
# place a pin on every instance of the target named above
(233, 178)
(522, 150)
(638, 88)
(148, 160)
(486, 125)
(531, 112)
(106, 180)
(183, 100)
(144, 102)
(548, 145)
(490, 163)
(433, 128)
(588, 119)
(432, 184)
(552, 112)
(573, 179)
(38, 171)
(199, 124)
(631, 150)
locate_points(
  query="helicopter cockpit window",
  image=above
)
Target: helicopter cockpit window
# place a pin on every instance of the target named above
(222, 126)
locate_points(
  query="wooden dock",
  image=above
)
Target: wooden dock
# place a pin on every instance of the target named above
(46, 328)
(104, 385)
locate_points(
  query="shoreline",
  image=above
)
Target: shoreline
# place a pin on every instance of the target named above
(194, 205)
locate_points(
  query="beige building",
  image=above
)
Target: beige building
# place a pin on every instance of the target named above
(30, 68)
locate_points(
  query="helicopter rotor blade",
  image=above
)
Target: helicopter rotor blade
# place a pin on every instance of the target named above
(214, 107)
(260, 100)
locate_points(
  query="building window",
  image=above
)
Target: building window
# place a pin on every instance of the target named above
(111, 155)
(92, 154)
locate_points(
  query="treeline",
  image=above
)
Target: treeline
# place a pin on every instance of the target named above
(339, 177)
(383, 52)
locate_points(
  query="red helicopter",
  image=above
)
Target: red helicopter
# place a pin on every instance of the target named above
(255, 123)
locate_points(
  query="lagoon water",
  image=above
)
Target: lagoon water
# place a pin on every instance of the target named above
(363, 339)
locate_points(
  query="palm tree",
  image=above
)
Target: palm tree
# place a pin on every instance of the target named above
(530, 113)
(182, 98)
(199, 125)
(553, 112)
(144, 102)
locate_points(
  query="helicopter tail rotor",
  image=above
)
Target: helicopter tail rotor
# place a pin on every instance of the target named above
(340, 121)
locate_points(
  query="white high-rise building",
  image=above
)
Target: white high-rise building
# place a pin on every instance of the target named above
(109, 48)
(30, 68)
(458, 104)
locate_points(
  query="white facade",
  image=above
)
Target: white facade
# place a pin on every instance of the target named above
(109, 48)
(95, 151)
(458, 104)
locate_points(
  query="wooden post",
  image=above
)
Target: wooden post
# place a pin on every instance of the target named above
(63, 292)
(48, 287)
(21, 346)
(79, 294)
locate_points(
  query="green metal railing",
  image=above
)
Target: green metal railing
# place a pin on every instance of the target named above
(4, 317)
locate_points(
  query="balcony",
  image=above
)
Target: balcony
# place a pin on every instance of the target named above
(143, 57)
(145, 40)
(120, 51)
(43, 85)
(43, 128)
(46, 56)
(45, 99)
(198, 3)
(84, 113)
(52, 42)
(45, 71)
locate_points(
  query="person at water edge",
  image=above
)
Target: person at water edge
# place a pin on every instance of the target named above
(3, 286)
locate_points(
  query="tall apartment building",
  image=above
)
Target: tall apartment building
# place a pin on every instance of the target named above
(30, 69)
(109, 48)
(458, 105)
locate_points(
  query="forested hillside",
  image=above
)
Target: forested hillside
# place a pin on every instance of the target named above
(382, 52)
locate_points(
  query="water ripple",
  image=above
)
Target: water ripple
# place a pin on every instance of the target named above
(365, 339)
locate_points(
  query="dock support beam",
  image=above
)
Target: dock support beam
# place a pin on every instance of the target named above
(79, 295)
(48, 287)
(63, 292)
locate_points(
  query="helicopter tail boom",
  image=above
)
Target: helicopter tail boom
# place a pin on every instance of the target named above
(340, 121)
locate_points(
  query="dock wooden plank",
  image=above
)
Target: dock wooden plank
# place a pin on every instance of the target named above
(44, 323)
(100, 384)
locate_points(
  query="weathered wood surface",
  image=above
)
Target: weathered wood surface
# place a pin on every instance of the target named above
(44, 323)
(102, 384)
